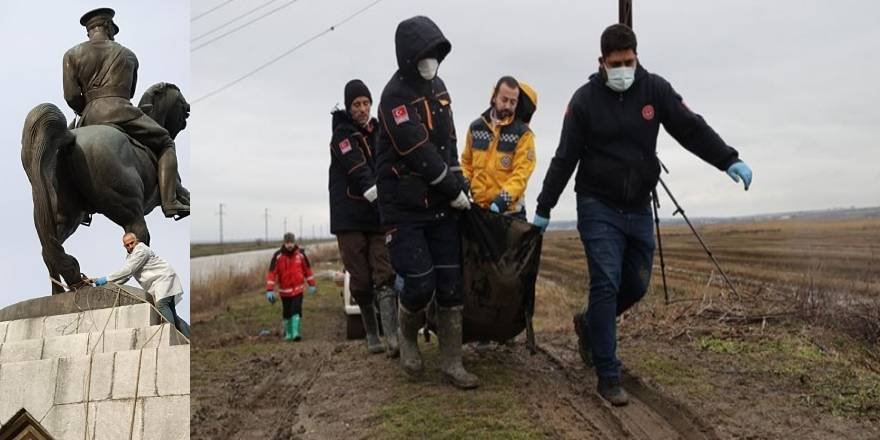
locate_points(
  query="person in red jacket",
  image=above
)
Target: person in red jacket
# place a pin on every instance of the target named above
(289, 272)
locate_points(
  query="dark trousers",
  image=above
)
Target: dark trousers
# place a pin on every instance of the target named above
(165, 306)
(428, 257)
(620, 251)
(365, 257)
(291, 305)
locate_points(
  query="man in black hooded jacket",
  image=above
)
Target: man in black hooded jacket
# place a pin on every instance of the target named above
(354, 218)
(420, 190)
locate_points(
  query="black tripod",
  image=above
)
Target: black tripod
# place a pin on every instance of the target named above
(680, 210)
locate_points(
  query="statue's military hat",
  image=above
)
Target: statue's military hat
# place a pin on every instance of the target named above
(91, 17)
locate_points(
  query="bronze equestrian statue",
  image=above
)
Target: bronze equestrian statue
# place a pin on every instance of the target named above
(120, 161)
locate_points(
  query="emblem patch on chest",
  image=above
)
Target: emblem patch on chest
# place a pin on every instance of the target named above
(506, 161)
(400, 114)
(648, 112)
(345, 146)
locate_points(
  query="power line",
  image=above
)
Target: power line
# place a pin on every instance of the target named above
(288, 52)
(233, 20)
(210, 10)
(238, 28)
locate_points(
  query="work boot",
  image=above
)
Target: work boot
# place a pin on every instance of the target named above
(388, 310)
(449, 335)
(610, 390)
(584, 347)
(294, 328)
(371, 328)
(288, 336)
(171, 206)
(408, 333)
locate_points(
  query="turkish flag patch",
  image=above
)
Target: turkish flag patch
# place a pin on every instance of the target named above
(345, 146)
(400, 114)
(648, 112)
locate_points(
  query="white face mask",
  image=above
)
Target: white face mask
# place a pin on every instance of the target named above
(620, 78)
(428, 68)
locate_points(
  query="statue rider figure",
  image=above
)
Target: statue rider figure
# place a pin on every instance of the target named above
(100, 77)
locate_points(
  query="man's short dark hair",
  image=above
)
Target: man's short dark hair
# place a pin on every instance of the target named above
(617, 37)
(289, 237)
(507, 80)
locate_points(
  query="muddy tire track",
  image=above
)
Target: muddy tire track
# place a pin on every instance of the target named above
(650, 414)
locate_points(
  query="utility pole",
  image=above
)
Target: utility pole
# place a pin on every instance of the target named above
(266, 219)
(313, 232)
(285, 225)
(220, 213)
(625, 12)
(300, 227)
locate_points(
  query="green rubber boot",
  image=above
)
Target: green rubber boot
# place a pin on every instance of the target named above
(287, 335)
(294, 328)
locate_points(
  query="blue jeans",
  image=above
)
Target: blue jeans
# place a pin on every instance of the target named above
(166, 308)
(620, 251)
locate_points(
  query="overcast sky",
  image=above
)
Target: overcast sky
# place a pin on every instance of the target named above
(36, 35)
(790, 84)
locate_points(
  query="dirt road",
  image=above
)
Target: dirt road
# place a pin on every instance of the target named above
(252, 387)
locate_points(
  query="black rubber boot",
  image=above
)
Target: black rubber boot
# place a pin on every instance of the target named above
(408, 333)
(388, 311)
(610, 390)
(371, 328)
(449, 336)
(581, 329)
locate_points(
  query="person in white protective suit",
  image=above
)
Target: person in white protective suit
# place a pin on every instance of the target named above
(155, 276)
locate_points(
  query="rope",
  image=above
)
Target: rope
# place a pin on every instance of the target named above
(137, 382)
(92, 362)
(119, 292)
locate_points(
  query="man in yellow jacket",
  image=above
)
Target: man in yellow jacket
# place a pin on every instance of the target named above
(499, 154)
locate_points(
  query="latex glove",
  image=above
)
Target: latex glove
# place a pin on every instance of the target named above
(312, 290)
(742, 171)
(541, 222)
(270, 295)
(371, 194)
(461, 202)
(101, 281)
(500, 203)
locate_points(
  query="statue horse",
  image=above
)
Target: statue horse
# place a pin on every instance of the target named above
(75, 173)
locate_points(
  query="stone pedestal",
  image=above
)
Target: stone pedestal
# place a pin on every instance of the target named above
(85, 369)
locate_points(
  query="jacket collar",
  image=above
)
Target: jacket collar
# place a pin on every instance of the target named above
(487, 119)
(343, 117)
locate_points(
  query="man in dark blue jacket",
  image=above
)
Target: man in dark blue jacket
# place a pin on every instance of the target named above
(354, 218)
(610, 133)
(421, 190)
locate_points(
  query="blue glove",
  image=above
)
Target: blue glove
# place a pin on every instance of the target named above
(499, 205)
(742, 171)
(541, 222)
(312, 290)
(101, 281)
(270, 295)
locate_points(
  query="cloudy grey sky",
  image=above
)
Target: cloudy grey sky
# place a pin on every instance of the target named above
(789, 83)
(36, 35)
